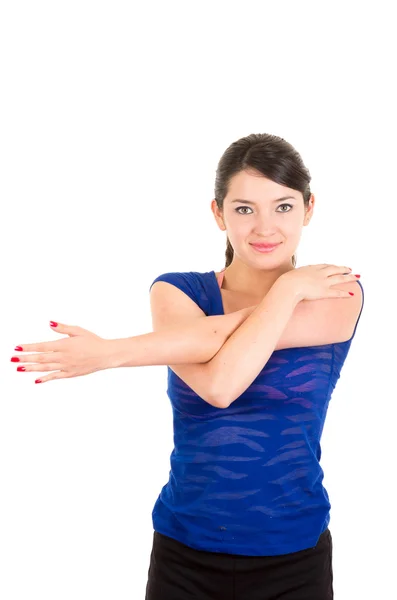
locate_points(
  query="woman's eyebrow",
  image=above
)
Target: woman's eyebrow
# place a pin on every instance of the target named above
(274, 201)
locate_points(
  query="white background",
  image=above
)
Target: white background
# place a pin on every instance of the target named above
(113, 117)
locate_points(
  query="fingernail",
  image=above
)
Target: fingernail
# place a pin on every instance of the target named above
(357, 276)
(38, 381)
(18, 348)
(21, 369)
(53, 324)
(351, 293)
(15, 359)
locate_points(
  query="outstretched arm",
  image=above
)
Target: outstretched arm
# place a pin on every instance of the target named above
(197, 341)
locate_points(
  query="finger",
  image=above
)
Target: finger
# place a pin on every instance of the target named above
(46, 367)
(58, 375)
(349, 277)
(341, 294)
(37, 358)
(71, 330)
(40, 347)
(343, 270)
(53, 346)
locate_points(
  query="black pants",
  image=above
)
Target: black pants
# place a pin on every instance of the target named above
(178, 572)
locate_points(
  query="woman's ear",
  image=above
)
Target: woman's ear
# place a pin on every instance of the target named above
(218, 215)
(309, 211)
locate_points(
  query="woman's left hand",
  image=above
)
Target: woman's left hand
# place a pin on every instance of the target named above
(81, 353)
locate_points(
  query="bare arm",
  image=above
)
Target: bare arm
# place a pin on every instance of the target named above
(248, 349)
(194, 342)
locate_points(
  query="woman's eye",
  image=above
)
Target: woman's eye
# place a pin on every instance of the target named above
(285, 204)
(290, 205)
(237, 209)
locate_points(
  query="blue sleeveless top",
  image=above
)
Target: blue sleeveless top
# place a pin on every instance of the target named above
(247, 479)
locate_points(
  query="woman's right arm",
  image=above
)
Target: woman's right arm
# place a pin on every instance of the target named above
(192, 339)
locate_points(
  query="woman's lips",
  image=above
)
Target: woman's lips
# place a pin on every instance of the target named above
(264, 248)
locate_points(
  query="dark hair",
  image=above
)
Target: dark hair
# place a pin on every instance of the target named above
(270, 155)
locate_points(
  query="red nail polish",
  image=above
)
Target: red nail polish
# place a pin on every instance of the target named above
(15, 359)
(53, 324)
(18, 348)
(21, 369)
(358, 276)
(351, 293)
(38, 381)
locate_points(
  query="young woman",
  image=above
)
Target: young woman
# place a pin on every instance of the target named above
(254, 353)
(244, 515)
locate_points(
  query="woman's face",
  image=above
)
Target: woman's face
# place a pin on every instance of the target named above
(265, 219)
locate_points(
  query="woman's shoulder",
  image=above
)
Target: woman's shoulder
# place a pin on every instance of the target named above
(332, 320)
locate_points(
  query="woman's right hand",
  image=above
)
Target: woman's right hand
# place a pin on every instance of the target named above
(314, 282)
